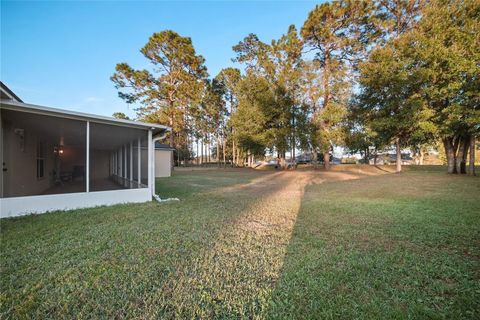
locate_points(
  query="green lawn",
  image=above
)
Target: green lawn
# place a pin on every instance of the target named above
(357, 242)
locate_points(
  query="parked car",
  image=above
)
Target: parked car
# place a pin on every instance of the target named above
(290, 164)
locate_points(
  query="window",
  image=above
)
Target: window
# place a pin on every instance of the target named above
(40, 160)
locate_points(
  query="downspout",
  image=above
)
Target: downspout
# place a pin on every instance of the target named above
(154, 195)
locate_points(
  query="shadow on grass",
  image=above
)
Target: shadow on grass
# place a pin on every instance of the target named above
(353, 254)
(231, 276)
(125, 261)
(251, 245)
(214, 254)
(382, 169)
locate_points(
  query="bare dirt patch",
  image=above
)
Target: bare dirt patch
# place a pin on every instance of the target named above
(279, 194)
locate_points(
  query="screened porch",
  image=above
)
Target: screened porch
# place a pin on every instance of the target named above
(45, 155)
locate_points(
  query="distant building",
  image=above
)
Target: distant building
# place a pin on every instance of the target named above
(387, 159)
(163, 160)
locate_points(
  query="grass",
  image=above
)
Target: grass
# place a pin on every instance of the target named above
(357, 242)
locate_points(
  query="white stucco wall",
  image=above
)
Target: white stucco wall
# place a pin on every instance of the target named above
(163, 163)
(18, 206)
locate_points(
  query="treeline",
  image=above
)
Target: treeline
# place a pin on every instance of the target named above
(365, 75)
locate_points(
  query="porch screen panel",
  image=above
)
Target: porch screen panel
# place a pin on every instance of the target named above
(114, 157)
(42, 154)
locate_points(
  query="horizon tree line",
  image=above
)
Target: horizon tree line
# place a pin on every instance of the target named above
(364, 75)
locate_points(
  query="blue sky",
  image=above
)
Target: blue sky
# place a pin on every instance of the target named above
(62, 54)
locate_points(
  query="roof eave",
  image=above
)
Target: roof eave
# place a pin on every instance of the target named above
(61, 113)
(9, 93)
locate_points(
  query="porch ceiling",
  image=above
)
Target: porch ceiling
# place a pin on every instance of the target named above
(57, 130)
(72, 133)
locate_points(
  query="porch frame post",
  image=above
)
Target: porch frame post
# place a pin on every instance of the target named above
(116, 163)
(149, 154)
(1, 157)
(120, 166)
(131, 164)
(139, 154)
(153, 167)
(88, 159)
(125, 172)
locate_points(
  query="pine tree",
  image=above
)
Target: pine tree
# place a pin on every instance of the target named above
(174, 83)
(339, 32)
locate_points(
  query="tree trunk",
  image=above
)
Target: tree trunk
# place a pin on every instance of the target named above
(281, 156)
(461, 160)
(209, 153)
(422, 155)
(172, 143)
(223, 142)
(234, 156)
(450, 154)
(198, 160)
(224, 153)
(233, 153)
(415, 156)
(326, 80)
(326, 160)
(178, 158)
(326, 99)
(471, 170)
(186, 155)
(459, 156)
(293, 147)
(218, 151)
(398, 162)
(202, 159)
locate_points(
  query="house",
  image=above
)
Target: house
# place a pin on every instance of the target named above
(55, 159)
(304, 158)
(163, 160)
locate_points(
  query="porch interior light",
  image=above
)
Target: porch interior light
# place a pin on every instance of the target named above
(58, 150)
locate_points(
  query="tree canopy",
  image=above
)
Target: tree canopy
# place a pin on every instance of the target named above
(364, 75)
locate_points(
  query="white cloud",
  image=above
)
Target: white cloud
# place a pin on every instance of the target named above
(92, 99)
(88, 101)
